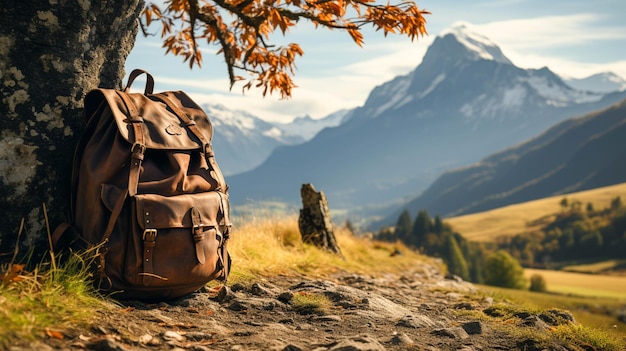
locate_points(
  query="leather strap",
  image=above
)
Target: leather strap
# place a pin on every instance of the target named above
(207, 148)
(149, 241)
(58, 233)
(227, 225)
(198, 234)
(115, 214)
(138, 148)
(149, 81)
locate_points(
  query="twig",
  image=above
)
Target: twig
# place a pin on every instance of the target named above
(17, 243)
(45, 214)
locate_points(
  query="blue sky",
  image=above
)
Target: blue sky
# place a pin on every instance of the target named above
(573, 38)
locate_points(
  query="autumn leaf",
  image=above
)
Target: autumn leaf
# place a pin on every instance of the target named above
(245, 42)
(54, 334)
(13, 274)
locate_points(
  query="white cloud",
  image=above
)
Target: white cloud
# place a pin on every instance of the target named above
(550, 31)
(334, 73)
(522, 41)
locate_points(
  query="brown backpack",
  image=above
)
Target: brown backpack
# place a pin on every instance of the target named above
(147, 195)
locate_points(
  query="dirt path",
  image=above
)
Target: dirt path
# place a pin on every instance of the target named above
(420, 310)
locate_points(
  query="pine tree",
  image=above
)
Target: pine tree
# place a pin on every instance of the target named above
(421, 227)
(454, 258)
(403, 227)
(438, 227)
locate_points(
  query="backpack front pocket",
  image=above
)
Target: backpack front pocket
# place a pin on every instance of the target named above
(175, 240)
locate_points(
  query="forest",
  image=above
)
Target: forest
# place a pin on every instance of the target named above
(578, 234)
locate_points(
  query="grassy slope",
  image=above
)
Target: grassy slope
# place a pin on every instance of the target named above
(582, 284)
(588, 296)
(260, 248)
(528, 216)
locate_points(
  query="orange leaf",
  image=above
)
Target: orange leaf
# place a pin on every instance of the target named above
(13, 275)
(54, 334)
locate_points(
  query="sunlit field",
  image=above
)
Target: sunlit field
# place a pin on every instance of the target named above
(581, 284)
(528, 216)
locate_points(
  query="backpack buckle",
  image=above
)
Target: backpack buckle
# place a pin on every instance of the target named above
(149, 235)
(137, 148)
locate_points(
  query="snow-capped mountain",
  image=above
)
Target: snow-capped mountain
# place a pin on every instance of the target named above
(602, 82)
(243, 141)
(464, 101)
(307, 127)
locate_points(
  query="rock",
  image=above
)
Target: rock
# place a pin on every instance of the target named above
(473, 327)
(145, 339)
(535, 322)
(171, 335)
(106, 345)
(416, 321)
(401, 339)
(358, 343)
(238, 287)
(559, 316)
(328, 318)
(454, 333)
(238, 306)
(285, 297)
(464, 306)
(314, 221)
(33, 346)
(259, 290)
(292, 347)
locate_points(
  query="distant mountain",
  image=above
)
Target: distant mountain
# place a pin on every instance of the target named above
(465, 100)
(244, 141)
(601, 82)
(307, 127)
(577, 154)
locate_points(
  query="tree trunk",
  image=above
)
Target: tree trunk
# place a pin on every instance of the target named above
(51, 54)
(314, 221)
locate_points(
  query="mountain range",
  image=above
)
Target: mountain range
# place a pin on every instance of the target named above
(244, 141)
(464, 101)
(602, 82)
(577, 154)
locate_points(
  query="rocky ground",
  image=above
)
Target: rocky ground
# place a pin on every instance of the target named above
(419, 310)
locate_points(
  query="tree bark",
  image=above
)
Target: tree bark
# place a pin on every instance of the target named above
(51, 54)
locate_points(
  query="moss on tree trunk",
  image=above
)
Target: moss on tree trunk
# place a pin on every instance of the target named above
(51, 54)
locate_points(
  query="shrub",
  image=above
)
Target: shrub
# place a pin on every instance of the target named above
(501, 269)
(537, 283)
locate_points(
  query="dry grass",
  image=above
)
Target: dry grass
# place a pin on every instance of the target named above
(593, 315)
(528, 216)
(271, 246)
(582, 284)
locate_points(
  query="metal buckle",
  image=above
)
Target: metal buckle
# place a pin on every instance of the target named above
(150, 234)
(138, 148)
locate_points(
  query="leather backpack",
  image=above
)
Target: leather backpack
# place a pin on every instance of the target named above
(148, 198)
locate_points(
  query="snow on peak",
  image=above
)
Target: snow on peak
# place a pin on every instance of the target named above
(478, 44)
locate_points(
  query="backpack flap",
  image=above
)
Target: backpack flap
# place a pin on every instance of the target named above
(162, 128)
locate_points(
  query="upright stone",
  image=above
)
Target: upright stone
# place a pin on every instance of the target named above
(315, 224)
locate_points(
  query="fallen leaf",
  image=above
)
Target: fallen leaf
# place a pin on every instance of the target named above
(13, 274)
(54, 334)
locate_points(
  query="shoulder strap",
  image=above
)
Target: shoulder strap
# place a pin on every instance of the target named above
(207, 147)
(149, 81)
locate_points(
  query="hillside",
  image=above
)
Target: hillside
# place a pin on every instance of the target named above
(578, 154)
(527, 216)
(287, 296)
